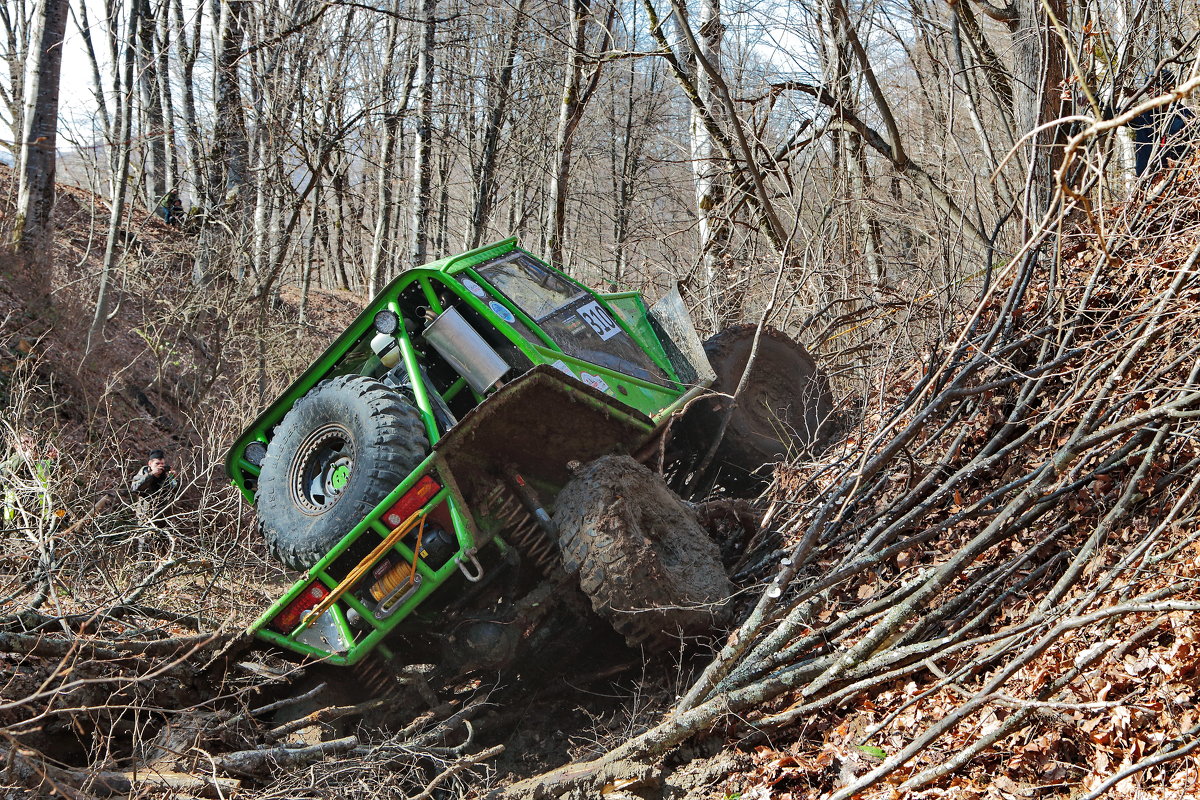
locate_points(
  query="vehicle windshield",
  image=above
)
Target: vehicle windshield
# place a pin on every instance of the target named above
(570, 317)
(536, 290)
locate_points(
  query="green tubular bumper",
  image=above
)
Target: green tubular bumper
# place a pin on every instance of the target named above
(337, 641)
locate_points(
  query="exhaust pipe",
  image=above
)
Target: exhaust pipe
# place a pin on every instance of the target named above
(460, 344)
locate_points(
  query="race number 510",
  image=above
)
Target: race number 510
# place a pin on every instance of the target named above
(599, 320)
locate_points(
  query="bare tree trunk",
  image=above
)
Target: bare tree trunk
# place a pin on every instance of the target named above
(383, 220)
(423, 152)
(338, 250)
(85, 33)
(188, 49)
(891, 147)
(625, 155)
(839, 59)
(966, 83)
(33, 232)
(260, 230)
(262, 67)
(1124, 32)
(120, 180)
(1039, 66)
(321, 221)
(744, 160)
(442, 220)
(710, 172)
(231, 150)
(485, 181)
(14, 17)
(151, 108)
(163, 73)
(868, 224)
(516, 206)
(310, 249)
(230, 155)
(994, 71)
(570, 113)
(387, 156)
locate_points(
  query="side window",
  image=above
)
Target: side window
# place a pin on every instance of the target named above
(585, 330)
(536, 290)
(571, 317)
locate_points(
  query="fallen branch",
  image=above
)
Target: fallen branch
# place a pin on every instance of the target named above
(463, 764)
(259, 762)
(328, 714)
(54, 647)
(29, 768)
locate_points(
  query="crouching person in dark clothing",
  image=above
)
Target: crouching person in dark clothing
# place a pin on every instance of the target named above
(153, 487)
(154, 476)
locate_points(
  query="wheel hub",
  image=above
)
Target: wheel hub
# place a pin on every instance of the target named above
(321, 469)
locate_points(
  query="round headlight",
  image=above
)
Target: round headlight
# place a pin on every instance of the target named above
(255, 452)
(387, 322)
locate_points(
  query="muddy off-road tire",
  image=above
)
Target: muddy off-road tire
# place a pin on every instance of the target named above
(784, 411)
(336, 454)
(642, 558)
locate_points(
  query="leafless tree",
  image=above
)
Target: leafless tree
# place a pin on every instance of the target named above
(153, 123)
(228, 160)
(394, 108)
(422, 174)
(579, 84)
(33, 231)
(120, 180)
(497, 103)
(15, 20)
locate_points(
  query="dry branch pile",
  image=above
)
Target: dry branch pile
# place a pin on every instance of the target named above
(989, 587)
(997, 575)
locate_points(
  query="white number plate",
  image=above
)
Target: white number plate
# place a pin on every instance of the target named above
(599, 320)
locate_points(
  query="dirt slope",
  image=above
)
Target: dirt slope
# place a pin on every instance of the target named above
(119, 642)
(988, 590)
(998, 598)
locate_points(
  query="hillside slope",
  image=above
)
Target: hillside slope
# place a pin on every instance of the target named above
(988, 589)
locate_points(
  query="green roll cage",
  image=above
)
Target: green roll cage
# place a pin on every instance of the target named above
(331, 635)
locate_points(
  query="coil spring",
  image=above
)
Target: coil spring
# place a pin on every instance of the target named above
(377, 677)
(522, 529)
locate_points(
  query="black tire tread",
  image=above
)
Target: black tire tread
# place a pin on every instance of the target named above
(623, 565)
(396, 429)
(751, 441)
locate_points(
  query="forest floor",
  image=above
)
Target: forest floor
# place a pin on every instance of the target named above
(123, 671)
(204, 576)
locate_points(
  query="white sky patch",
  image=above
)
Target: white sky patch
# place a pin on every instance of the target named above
(776, 36)
(75, 101)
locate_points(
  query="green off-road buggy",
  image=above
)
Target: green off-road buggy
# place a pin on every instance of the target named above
(466, 455)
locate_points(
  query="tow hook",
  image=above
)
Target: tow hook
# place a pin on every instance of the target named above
(473, 561)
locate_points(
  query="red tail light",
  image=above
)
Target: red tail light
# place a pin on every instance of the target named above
(287, 620)
(411, 502)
